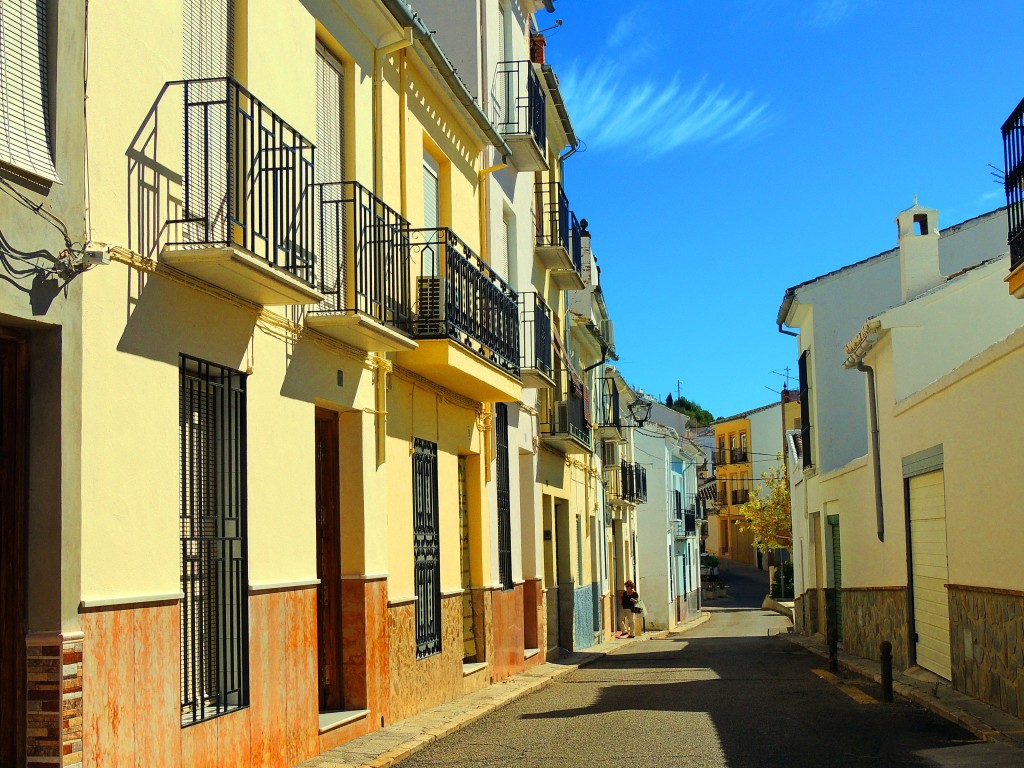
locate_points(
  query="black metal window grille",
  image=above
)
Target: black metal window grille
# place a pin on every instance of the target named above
(504, 497)
(468, 302)
(426, 548)
(552, 211)
(677, 505)
(364, 252)
(535, 336)
(805, 410)
(247, 178)
(519, 101)
(1013, 155)
(214, 571)
(738, 455)
(607, 403)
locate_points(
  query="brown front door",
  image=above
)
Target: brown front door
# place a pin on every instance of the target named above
(328, 561)
(12, 550)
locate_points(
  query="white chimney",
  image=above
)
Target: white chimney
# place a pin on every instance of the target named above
(918, 237)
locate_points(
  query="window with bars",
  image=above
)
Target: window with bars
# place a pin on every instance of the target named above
(24, 88)
(426, 548)
(214, 573)
(504, 497)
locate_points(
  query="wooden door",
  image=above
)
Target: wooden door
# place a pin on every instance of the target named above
(328, 562)
(930, 571)
(12, 550)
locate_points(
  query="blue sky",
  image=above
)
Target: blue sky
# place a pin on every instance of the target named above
(737, 147)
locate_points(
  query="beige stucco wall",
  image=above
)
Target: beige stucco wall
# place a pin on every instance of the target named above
(968, 413)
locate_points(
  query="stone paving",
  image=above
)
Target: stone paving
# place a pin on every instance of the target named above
(396, 742)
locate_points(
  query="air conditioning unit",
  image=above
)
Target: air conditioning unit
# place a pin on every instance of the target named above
(608, 332)
(562, 416)
(429, 306)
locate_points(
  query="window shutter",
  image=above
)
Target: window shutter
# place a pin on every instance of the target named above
(24, 91)
(431, 208)
(330, 125)
(330, 169)
(499, 257)
(805, 412)
(208, 44)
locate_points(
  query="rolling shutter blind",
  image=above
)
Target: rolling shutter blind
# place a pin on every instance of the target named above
(805, 412)
(24, 91)
(208, 48)
(499, 259)
(330, 126)
(431, 205)
(330, 169)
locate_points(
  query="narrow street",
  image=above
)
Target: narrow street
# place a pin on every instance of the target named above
(729, 693)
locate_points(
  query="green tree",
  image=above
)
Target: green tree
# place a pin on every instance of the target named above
(767, 514)
(668, 400)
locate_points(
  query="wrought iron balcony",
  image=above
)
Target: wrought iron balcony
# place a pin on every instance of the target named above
(722, 456)
(520, 113)
(535, 341)
(564, 414)
(364, 269)
(634, 482)
(459, 297)
(607, 416)
(559, 235)
(247, 208)
(738, 456)
(1013, 154)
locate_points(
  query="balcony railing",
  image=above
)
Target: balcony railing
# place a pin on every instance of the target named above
(606, 404)
(559, 234)
(248, 179)
(459, 297)
(721, 456)
(740, 496)
(519, 101)
(564, 411)
(738, 455)
(364, 255)
(535, 334)
(634, 482)
(1013, 154)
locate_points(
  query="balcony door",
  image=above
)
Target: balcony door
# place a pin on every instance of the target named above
(329, 169)
(328, 562)
(13, 443)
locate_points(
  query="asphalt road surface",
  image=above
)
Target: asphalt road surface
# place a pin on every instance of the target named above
(729, 693)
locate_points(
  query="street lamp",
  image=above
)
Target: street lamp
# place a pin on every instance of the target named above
(640, 410)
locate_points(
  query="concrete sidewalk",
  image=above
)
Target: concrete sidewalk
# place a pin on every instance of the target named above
(396, 742)
(931, 692)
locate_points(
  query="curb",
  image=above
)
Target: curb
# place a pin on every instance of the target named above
(953, 714)
(415, 743)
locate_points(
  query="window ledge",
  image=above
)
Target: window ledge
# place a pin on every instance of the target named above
(529, 653)
(331, 720)
(473, 668)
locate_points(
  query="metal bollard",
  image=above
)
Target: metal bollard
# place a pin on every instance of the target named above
(886, 648)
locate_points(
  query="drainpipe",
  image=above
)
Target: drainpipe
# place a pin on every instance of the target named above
(378, 78)
(440, 63)
(876, 463)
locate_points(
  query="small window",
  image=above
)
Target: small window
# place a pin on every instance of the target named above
(24, 88)
(920, 224)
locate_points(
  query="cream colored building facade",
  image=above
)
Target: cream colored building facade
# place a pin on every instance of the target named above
(924, 559)
(307, 471)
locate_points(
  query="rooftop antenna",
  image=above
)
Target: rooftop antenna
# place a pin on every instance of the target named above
(556, 25)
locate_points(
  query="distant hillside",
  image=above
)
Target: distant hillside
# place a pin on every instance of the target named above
(698, 416)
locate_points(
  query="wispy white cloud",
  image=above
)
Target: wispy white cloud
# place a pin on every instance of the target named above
(991, 196)
(655, 117)
(826, 13)
(624, 29)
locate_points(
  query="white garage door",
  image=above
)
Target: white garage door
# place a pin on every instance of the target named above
(930, 571)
